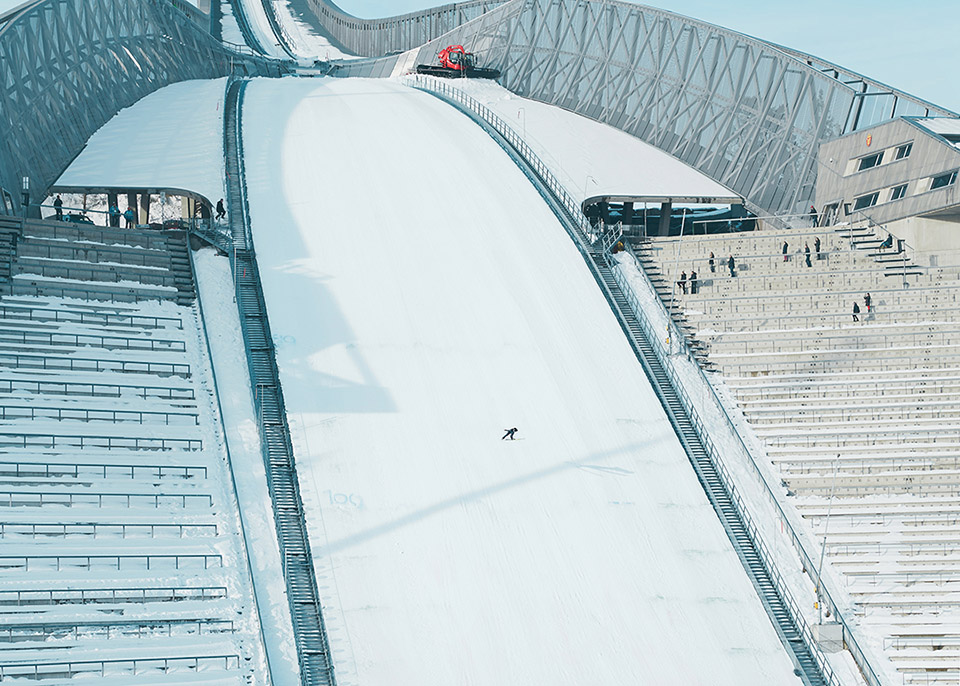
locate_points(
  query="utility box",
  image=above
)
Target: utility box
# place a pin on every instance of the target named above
(829, 636)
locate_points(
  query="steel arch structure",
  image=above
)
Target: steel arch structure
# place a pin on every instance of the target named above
(747, 113)
(67, 66)
(376, 37)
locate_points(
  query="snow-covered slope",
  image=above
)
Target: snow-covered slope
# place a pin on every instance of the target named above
(423, 298)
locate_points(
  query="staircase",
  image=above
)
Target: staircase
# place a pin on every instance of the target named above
(9, 235)
(894, 259)
(177, 248)
(640, 247)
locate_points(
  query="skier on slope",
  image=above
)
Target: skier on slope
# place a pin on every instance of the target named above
(510, 433)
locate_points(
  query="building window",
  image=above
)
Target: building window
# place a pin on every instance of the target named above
(943, 180)
(904, 151)
(865, 201)
(898, 192)
(870, 161)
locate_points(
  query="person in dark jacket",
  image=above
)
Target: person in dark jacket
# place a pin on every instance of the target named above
(856, 312)
(58, 208)
(510, 433)
(867, 300)
(785, 249)
(221, 211)
(683, 282)
(806, 253)
(816, 246)
(814, 217)
(694, 284)
(731, 264)
(887, 242)
(712, 270)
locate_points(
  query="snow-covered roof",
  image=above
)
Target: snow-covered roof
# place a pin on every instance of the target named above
(596, 160)
(171, 139)
(947, 127)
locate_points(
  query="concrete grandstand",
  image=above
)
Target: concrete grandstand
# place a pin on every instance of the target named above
(712, 280)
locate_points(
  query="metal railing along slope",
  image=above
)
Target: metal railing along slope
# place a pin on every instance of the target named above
(310, 635)
(692, 431)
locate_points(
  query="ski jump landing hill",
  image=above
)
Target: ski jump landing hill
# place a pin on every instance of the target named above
(423, 296)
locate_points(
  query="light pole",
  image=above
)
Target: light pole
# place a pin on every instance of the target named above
(823, 547)
(583, 203)
(587, 178)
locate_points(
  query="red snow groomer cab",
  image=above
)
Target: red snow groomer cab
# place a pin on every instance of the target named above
(455, 62)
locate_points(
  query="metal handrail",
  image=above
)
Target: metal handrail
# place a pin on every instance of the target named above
(585, 230)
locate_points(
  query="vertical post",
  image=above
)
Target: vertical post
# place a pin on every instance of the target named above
(627, 218)
(665, 209)
(144, 208)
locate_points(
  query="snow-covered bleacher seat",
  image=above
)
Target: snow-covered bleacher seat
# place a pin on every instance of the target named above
(121, 551)
(860, 419)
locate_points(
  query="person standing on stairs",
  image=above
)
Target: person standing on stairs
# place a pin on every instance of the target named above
(58, 208)
(130, 216)
(683, 282)
(731, 264)
(856, 312)
(816, 246)
(814, 217)
(786, 247)
(806, 253)
(867, 300)
(221, 211)
(712, 270)
(694, 285)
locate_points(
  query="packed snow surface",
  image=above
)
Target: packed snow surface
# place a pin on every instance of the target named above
(222, 323)
(593, 159)
(423, 299)
(171, 139)
(304, 33)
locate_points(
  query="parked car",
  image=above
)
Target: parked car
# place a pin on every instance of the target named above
(77, 218)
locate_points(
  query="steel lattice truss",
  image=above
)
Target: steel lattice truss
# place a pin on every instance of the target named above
(376, 37)
(746, 113)
(69, 65)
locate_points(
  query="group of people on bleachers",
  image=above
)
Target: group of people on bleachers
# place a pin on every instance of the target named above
(806, 251)
(694, 282)
(694, 279)
(731, 265)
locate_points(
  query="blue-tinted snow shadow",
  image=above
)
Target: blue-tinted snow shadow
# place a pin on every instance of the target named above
(481, 493)
(322, 324)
